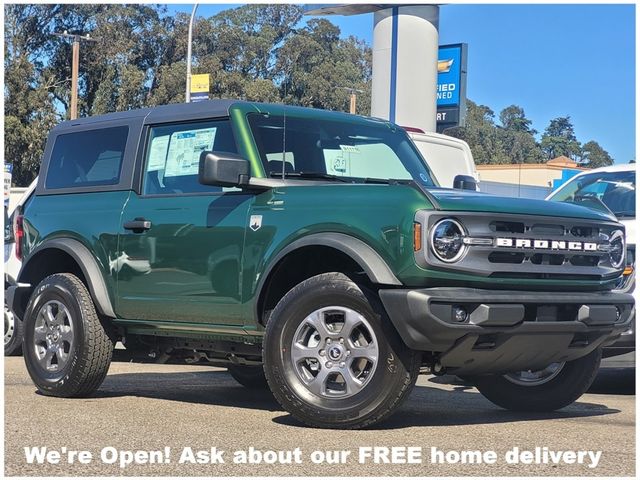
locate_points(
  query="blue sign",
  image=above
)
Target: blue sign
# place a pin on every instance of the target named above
(199, 96)
(450, 70)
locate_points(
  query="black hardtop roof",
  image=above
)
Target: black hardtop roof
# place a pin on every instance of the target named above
(183, 112)
(211, 108)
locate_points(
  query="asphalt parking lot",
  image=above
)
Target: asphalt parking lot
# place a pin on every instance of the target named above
(150, 407)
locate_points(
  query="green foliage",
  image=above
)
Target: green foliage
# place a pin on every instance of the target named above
(513, 119)
(514, 140)
(594, 156)
(256, 52)
(559, 138)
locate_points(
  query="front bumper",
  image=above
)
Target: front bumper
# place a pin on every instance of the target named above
(506, 330)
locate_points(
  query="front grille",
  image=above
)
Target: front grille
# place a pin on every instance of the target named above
(556, 261)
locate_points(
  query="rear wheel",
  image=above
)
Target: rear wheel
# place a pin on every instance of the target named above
(332, 358)
(548, 389)
(249, 376)
(66, 348)
(12, 333)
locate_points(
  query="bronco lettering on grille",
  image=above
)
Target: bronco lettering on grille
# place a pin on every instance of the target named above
(539, 244)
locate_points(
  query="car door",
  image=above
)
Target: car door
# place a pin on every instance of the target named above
(180, 246)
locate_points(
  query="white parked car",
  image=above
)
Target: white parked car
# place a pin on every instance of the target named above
(612, 189)
(12, 265)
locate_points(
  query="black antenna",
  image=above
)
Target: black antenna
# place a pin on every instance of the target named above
(284, 140)
(284, 132)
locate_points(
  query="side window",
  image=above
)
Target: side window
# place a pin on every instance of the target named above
(87, 158)
(173, 156)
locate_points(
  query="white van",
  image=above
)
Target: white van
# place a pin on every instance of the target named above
(446, 156)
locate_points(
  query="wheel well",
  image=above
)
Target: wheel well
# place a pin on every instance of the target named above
(303, 263)
(45, 263)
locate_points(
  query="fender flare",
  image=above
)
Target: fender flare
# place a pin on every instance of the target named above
(87, 263)
(369, 260)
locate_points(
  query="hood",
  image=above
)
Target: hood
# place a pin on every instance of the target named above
(461, 200)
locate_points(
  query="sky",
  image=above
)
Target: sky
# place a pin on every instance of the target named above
(552, 60)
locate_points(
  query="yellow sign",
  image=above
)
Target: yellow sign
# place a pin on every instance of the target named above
(200, 83)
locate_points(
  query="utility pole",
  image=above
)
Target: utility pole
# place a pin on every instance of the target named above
(187, 93)
(75, 63)
(352, 98)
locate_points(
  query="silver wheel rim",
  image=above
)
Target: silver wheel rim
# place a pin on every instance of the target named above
(9, 325)
(530, 378)
(53, 336)
(334, 352)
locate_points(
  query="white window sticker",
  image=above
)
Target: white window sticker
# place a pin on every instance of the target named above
(158, 153)
(183, 156)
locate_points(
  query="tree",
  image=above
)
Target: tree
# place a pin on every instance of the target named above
(481, 134)
(254, 52)
(559, 139)
(29, 111)
(594, 156)
(513, 118)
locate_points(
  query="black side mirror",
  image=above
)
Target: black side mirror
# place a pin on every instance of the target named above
(465, 182)
(223, 169)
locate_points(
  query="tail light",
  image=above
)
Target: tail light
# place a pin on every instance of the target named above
(413, 129)
(18, 234)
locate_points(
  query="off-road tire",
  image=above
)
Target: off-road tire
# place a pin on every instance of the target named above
(392, 379)
(566, 387)
(14, 346)
(90, 355)
(249, 376)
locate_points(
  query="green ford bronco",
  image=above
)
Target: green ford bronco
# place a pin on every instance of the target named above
(310, 252)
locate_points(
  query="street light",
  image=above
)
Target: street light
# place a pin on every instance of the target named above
(187, 93)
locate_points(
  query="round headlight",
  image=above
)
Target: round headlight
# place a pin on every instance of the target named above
(447, 240)
(616, 249)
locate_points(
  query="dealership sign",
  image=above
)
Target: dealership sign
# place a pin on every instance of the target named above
(452, 86)
(199, 87)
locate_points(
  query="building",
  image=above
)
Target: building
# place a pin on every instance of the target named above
(531, 180)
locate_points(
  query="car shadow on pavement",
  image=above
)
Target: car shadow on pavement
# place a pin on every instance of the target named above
(436, 407)
(426, 406)
(202, 387)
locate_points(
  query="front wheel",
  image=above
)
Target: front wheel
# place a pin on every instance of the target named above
(545, 390)
(332, 359)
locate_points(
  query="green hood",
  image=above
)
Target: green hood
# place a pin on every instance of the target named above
(460, 200)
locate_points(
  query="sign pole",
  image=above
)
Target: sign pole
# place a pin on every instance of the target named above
(187, 93)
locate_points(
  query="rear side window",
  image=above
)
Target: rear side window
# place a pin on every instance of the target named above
(87, 158)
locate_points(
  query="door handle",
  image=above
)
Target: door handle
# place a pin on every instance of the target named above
(138, 225)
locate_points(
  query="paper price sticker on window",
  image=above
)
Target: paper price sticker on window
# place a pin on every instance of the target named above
(185, 148)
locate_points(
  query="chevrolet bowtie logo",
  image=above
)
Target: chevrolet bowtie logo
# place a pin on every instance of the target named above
(546, 244)
(445, 65)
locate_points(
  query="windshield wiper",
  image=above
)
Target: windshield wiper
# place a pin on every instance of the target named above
(387, 181)
(321, 175)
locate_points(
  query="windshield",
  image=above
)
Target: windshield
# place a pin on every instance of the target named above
(608, 191)
(339, 150)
